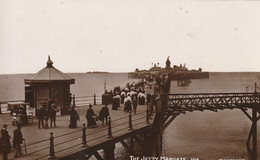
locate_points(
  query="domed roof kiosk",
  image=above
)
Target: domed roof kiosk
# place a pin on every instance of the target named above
(49, 84)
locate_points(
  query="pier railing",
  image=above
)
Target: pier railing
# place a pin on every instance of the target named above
(47, 148)
(212, 101)
(86, 100)
(79, 101)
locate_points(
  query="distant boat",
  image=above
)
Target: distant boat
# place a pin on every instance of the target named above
(96, 72)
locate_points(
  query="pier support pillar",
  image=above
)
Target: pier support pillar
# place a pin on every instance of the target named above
(109, 152)
(253, 132)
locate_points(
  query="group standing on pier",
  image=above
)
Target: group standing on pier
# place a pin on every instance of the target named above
(44, 113)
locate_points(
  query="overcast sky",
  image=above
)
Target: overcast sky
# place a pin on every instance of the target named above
(121, 35)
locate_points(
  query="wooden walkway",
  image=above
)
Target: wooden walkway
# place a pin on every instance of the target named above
(68, 142)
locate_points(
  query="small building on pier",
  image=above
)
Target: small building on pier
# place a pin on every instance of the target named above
(49, 83)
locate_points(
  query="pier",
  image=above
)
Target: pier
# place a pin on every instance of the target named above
(144, 129)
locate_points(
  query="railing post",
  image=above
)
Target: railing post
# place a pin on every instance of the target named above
(109, 128)
(74, 104)
(95, 102)
(52, 153)
(84, 136)
(130, 127)
(147, 115)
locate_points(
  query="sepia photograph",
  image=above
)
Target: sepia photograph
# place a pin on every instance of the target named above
(129, 79)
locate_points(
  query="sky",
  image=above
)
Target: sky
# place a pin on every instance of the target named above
(122, 35)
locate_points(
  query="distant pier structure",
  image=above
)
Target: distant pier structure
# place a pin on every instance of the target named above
(49, 84)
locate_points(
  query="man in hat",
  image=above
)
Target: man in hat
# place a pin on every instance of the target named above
(18, 140)
(103, 114)
(53, 110)
(5, 142)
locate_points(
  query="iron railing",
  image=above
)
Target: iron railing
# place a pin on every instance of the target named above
(211, 101)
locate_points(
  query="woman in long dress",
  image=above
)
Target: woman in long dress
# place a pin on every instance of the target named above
(74, 117)
(91, 117)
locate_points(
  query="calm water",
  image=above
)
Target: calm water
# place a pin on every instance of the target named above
(12, 86)
(209, 135)
(205, 135)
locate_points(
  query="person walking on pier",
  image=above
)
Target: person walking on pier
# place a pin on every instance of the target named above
(128, 105)
(74, 117)
(40, 116)
(18, 140)
(103, 114)
(91, 117)
(53, 114)
(5, 142)
(122, 97)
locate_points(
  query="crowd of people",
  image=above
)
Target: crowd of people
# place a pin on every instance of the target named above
(130, 97)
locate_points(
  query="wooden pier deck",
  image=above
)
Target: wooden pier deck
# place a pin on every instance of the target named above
(68, 142)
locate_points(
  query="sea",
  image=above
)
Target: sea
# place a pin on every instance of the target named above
(195, 135)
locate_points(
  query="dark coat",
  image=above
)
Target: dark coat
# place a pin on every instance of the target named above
(73, 118)
(115, 104)
(18, 137)
(128, 106)
(53, 113)
(103, 112)
(40, 114)
(134, 103)
(46, 113)
(90, 118)
(5, 141)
